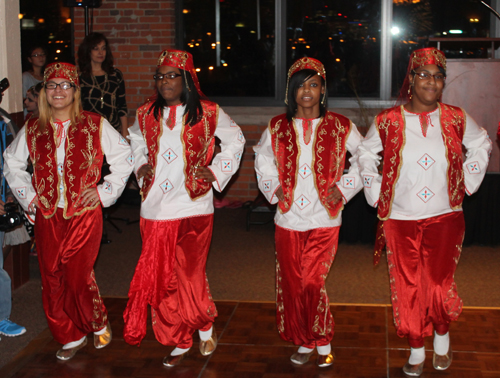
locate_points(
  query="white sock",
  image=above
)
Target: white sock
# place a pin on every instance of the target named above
(324, 349)
(305, 350)
(417, 356)
(441, 343)
(100, 332)
(205, 335)
(74, 343)
(178, 351)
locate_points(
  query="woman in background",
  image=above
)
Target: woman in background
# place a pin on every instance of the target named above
(37, 57)
(31, 101)
(102, 85)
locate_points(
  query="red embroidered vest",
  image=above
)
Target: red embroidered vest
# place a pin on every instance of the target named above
(328, 156)
(391, 127)
(82, 163)
(197, 140)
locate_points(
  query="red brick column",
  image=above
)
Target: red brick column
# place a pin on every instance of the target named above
(137, 30)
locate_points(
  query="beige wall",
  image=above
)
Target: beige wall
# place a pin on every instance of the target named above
(475, 86)
(10, 55)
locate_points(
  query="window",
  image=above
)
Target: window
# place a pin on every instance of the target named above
(415, 21)
(243, 49)
(232, 42)
(344, 36)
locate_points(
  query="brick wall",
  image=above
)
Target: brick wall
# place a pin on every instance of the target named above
(138, 30)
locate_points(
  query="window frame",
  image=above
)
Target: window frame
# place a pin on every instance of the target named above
(384, 100)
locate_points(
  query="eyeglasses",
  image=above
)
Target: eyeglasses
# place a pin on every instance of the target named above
(428, 76)
(64, 85)
(170, 76)
(39, 54)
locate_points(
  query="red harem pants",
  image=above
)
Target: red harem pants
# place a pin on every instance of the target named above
(67, 250)
(422, 256)
(170, 276)
(303, 261)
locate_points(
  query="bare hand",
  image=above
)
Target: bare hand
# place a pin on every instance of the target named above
(89, 197)
(205, 174)
(334, 194)
(145, 171)
(33, 205)
(279, 193)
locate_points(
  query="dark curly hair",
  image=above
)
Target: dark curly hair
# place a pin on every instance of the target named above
(84, 50)
(293, 86)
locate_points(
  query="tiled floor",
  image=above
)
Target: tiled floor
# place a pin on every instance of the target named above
(365, 345)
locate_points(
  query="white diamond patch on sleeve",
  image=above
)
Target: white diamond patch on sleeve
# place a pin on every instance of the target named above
(238, 156)
(266, 185)
(305, 171)
(426, 162)
(425, 194)
(21, 192)
(226, 165)
(240, 136)
(125, 179)
(302, 202)
(169, 155)
(258, 177)
(166, 186)
(473, 168)
(367, 181)
(131, 159)
(349, 182)
(107, 187)
(233, 124)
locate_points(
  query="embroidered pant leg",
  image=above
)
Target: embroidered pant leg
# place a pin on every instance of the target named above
(303, 261)
(188, 304)
(67, 250)
(422, 256)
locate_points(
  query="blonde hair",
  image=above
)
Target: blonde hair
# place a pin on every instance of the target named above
(45, 110)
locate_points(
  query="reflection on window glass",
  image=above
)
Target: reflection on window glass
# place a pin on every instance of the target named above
(415, 21)
(344, 36)
(242, 62)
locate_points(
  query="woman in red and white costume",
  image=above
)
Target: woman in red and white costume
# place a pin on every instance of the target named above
(173, 142)
(299, 164)
(66, 146)
(419, 198)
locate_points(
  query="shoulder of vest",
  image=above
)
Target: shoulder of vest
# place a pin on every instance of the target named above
(95, 117)
(208, 103)
(341, 117)
(389, 110)
(277, 118)
(454, 108)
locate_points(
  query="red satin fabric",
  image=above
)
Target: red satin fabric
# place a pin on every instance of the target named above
(422, 256)
(303, 262)
(170, 276)
(67, 250)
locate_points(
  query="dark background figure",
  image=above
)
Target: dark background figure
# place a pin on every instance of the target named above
(102, 85)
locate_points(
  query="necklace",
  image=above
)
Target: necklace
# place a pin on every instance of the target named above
(101, 89)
